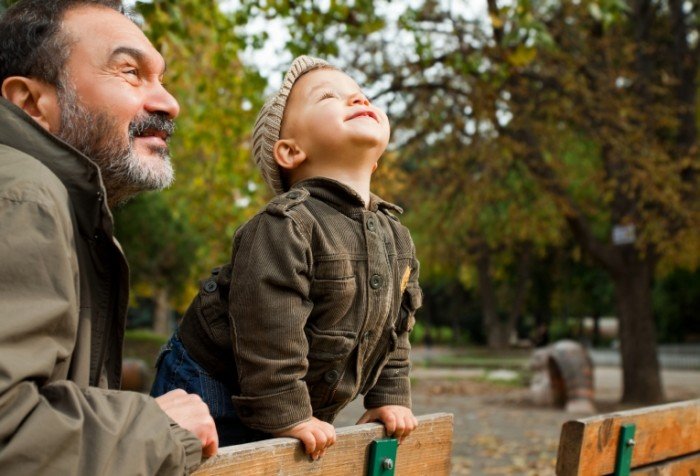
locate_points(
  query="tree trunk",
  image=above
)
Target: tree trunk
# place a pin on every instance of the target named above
(596, 328)
(161, 312)
(640, 363)
(497, 332)
(522, 286)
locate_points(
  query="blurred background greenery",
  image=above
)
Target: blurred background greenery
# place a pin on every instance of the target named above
(546, 154)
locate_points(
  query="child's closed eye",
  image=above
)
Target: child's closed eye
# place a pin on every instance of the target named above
(328, 95)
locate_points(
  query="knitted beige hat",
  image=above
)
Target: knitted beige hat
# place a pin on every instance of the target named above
(266, 131)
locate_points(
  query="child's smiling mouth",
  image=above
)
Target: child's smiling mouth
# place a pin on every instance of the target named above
(363, 113)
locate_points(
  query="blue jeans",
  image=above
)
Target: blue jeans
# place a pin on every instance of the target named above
(176, 369)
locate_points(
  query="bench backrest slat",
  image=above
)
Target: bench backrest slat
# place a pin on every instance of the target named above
(426, 451)
(684, 466)
(589, 446)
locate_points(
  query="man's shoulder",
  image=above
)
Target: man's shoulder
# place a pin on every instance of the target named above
(25, 179)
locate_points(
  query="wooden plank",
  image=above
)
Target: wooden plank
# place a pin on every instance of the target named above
(685, 466)
(588, 446)
(426, 452)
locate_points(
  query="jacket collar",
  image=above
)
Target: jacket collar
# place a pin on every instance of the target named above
(343, 198)
(79, 175)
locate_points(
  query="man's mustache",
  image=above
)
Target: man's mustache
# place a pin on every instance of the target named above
(152, 125)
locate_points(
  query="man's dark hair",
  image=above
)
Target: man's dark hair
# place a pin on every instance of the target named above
(31, 41)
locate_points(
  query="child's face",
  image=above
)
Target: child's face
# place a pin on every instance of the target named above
(328, 116)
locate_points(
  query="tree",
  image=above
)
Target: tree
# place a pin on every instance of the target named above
(160, 248)
(594, 104)
(219, 97)
(622, 80)
(216, 185)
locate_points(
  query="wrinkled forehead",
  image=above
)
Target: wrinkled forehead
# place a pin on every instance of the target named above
(97, 32)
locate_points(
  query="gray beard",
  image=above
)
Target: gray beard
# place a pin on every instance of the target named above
(96, 134)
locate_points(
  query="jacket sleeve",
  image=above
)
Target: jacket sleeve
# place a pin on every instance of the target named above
(49, 425)
(269, 306)
(394, 386)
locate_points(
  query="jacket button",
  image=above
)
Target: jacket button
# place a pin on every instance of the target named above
(375, 281)
(210, 286)
(331, 376)
(293, 195)
(371, 224)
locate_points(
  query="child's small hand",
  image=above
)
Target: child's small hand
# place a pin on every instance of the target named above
(316, 435)
(398, 421)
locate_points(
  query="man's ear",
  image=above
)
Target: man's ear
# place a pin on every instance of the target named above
(288, 154)
(36, 98)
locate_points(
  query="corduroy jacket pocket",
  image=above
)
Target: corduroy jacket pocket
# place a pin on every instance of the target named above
(333, 292)
(329, 351)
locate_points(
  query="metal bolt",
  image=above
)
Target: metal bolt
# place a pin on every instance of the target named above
(631, 442)
(387, 463)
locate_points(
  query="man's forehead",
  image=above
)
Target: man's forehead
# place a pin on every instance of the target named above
(103, 30)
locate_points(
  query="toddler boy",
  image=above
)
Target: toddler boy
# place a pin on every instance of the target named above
(324, 280)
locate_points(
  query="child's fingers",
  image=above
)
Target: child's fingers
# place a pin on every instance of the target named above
(409, 424)
(321, 440)
(309, 441)
(400, 432)
(330, 435)
(389, 420)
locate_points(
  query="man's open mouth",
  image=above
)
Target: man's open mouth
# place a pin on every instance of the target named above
(152, 132)
(154, 125)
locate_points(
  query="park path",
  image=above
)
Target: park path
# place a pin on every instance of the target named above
(497, 430)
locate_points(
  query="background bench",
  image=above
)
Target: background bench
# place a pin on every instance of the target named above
(426, 452)
(665, 441)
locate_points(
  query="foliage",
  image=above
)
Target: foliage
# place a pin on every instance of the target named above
(540, 116)
(217, 187)
(437, 335)
(159, 242)
(5, 4)
(676, 305)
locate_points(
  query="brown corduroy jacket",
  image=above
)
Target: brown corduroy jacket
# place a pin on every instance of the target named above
(323, 295)
(63, 297)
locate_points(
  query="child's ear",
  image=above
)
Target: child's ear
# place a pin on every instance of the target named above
(288, 154)
(36, 98)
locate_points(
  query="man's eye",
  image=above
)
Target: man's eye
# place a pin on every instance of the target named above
(133, 71)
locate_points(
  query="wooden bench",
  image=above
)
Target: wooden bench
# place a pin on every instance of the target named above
(660, 440)
(426, 452)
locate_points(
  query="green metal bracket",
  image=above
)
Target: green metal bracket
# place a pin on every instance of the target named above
(625, 446)
(382, 457)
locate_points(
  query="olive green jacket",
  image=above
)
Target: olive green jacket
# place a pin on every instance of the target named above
(63, 297)
(323, 296)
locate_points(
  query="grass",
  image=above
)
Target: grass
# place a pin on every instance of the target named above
(482, 362)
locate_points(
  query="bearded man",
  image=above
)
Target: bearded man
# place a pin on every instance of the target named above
(84, 125)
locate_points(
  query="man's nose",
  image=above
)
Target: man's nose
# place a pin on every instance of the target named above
(161, 101)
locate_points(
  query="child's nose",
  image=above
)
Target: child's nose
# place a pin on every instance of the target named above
(359, 98)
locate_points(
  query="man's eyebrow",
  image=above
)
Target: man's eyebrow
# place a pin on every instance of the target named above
(137, 54)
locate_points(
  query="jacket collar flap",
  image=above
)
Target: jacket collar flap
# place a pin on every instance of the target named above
(79, 175)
